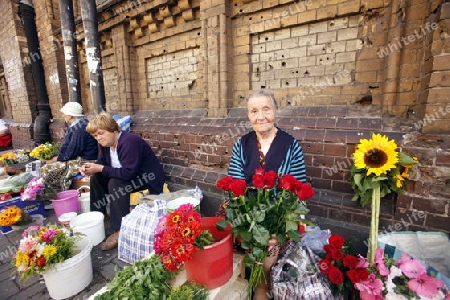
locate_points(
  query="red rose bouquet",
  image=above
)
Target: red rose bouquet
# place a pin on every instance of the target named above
(273, 206)
(177, 234)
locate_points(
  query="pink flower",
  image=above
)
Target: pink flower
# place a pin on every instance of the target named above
(27, 245)
(379, 260)
(363, 263)
(412, 268)
(49, 235)
(424, 285)
(370, 288)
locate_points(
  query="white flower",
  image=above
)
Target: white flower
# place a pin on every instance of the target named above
(394, 273)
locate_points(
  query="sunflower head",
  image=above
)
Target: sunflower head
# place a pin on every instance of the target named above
(378, 155)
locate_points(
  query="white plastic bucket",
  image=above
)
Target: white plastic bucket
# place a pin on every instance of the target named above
(90, 224)
(84, 198)
(65, 218)
(73, 275)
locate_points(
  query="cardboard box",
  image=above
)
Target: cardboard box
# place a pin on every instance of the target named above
(30, 207)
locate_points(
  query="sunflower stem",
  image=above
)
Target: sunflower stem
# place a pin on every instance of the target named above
(373, 235)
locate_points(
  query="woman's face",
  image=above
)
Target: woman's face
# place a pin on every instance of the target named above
(105, 138)
(261, 113)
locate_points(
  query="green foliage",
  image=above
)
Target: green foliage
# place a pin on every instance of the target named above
(363, 184)
(145, 279)
(204, 239)
(189, 291)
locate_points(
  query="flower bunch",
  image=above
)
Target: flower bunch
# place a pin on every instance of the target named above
(377, 163)
(273, 207)
(41, 248)
(342, 267)
(36, 188)
(177, 234)
(44, 151)
(13, 215)
(8, 158)
(385, 278)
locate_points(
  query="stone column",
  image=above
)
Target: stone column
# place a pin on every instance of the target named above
(217, 52)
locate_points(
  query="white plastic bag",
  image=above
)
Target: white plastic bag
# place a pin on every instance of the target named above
(137, 232)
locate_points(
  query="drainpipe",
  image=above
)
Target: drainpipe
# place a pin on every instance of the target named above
(70, 49)
(42, 120)
(93, 58)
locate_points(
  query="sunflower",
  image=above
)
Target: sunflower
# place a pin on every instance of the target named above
(377, 155)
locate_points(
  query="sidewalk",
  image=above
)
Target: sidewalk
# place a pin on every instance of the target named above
(104, 264)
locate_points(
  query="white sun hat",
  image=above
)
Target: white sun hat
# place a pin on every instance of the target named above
(72, 109)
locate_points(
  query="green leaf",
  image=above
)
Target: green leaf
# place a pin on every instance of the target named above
(405, 159)
(221, 225)
(291, 226)
(261, 235)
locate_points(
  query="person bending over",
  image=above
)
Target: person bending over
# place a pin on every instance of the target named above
(125, 164)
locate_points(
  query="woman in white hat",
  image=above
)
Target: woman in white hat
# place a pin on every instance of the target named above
(77, 142)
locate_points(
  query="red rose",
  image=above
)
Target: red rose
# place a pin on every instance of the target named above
(325, 266)
(350, 261)
(336, 241)
(363, 274)
(336, 254)
(258, 181)
(327, 248)
(224, 183)
(270, 178)
(353, 275)
(297, 187)
(301, 227)
(287, 182)
(238, 187)
(336, 276)
(305, 192)
(358, 275)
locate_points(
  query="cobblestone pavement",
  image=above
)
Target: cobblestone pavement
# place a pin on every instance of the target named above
(104, 263)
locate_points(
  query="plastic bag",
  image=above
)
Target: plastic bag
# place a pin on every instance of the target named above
(430, 248)
(295, 275)
(137, 232)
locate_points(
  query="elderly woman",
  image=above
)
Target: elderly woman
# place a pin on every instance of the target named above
(77, 142)
(125, 164)
(267, 146)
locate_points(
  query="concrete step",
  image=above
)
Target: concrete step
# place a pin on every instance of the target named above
(234, 289)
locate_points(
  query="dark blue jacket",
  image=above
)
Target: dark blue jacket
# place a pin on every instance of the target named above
(78, 143)
(137, 160)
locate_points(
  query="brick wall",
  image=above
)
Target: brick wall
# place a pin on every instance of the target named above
(340, 69)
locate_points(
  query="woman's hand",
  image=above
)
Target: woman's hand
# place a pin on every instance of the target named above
(89, 169)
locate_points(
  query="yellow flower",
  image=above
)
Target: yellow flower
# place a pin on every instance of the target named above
(398, 182)
(378, 155)
(22, 258)
(49, 251)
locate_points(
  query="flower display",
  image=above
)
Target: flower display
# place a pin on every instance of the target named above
(36, 188)
(177, 234)
(44, 151)
(377, 163)
(13, 215)
(41, 248)
(273, 207)
(385, 278)
(8, 158)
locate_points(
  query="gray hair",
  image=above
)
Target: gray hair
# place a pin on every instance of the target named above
(264, 92)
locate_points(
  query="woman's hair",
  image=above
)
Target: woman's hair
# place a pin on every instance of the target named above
(264, 92)
(102, 121)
